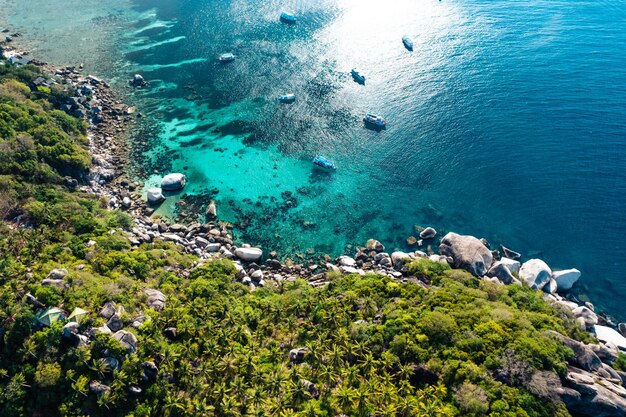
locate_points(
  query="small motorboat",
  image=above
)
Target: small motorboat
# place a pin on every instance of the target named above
(287, 98)
(358, 77)
(322, 162)
(377, 121)
(287, 17)
(229, 57)
(408, 43)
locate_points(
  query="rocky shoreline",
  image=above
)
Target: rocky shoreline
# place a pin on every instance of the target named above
(590, 384)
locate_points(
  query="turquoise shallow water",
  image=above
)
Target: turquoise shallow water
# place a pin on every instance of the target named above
(507, 121)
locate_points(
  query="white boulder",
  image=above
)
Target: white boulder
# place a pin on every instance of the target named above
(565, 279)
(511, 264)
(155, 196)
(172, 182)
(536, 273)
(609, 335)
(249, 254)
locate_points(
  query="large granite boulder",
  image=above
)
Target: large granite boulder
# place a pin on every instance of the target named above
(58, 273)
(399, 258)
(565, 279)
(512, 264)
(428, 233)
(127, 339)
(609, 335)
(156, 299)
(249, 254)
(584, 355)
(499, 270)
(172, 182)
(155, 196)
(536, 273)
(467, 252)
(595, 395)
(588, 317)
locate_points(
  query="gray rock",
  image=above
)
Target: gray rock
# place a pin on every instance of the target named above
(398, 259)
(214, 247)
(566, 279)
(127, 339)
(297, 355)
(171, 237)
(466, 252)
(428, 233)
(172, 182)
(156, 299)
(310, 388)
(155, 196)
(70, 331)
(201, 242)
(98, 388)
(584, 356)
(107, 310)
(56, 274)
(622, 328)
(536, 273)
(249, 254)
(590, 318)
(346, 261)
(171, 333)
(59, 283)
(257, 275)
(115, 323)
(550, 287)
(598, 397)
(499, 270)
(150, 370)
(513, 265)
(126, 203)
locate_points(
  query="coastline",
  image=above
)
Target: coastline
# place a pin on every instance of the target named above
(110, 178)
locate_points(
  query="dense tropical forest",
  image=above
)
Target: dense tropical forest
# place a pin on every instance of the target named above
(189, 340)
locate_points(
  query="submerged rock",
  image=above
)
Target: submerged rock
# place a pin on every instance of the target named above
(173, 182)
(467, 252)
(211, 211)
(374, 245)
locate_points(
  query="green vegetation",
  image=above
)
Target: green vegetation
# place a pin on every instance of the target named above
(373, 346)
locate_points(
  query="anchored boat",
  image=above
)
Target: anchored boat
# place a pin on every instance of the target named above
(287, 17)
(374, 120)
(229, 57)
(322, 162)
(358, 77)
(287, 98)
(408, 43)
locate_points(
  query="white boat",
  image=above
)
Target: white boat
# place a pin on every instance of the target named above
(358, 77)
(228, 57)
(408, 42)
(287, 98)
(374, 120)
(287, 17)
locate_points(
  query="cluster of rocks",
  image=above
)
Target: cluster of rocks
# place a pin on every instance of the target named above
(116, 322)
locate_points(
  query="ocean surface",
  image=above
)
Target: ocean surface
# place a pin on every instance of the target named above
(507, 121)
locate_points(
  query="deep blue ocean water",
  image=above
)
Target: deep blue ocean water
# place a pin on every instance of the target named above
(507, 121)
